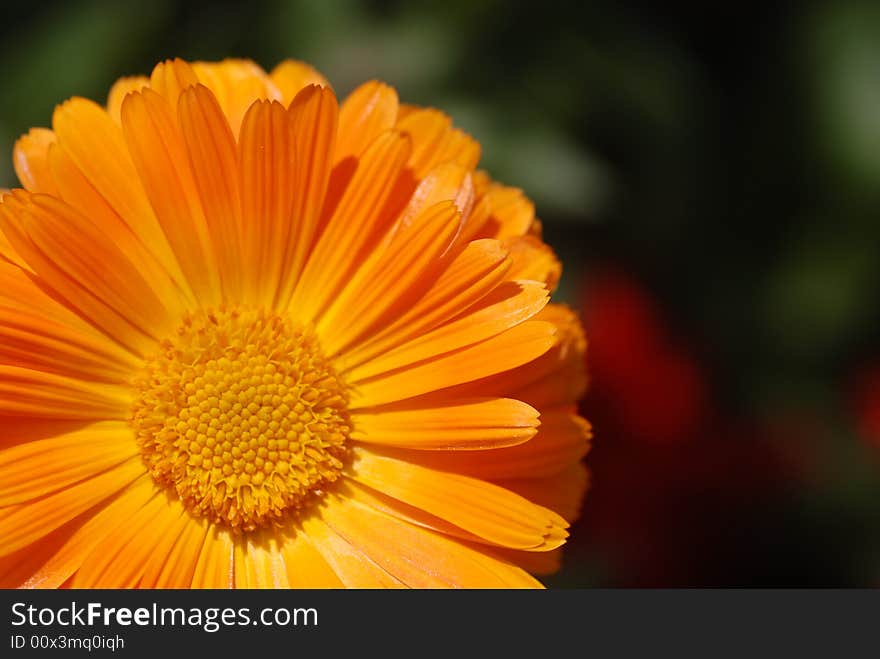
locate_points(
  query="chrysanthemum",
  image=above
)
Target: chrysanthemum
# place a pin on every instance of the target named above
(252, 338)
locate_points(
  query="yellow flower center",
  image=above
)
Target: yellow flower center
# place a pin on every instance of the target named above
(242, 415)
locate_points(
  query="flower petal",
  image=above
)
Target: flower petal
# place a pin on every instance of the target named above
(446, 182)
(120, 559)
(352, 567)
(212, 154)
(259, 562)
(291, 76)
(507, 306)
(266, 180)
(427, 127)
(96, 145)
(36, 332)
(75, 190)
(120, 89)
(408, 513)
(464, 425)
(24, 392)
(356, 220)
(489, 511)
(8, 255)
(533, 259)
(25, 523)
(557, 378)
(236, 83)
(470, 276)
(160, 156)
(417, 557)
(389, 279)
(534, 562)
(173, 560)
(368, 112)
(562, 440)
(18, 567)
(90, 532)
(562, 492)
(215, 566)
(306, 566)
(30, 159)
(512, 213)
(314, 115)
(170, 78)
(85, 268)
(34, 469)
(515, 347)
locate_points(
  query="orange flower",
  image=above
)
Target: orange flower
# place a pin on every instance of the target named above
(250, 338)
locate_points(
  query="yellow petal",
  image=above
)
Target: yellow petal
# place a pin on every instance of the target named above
(460, 148)
(215, 567)
(478, 269)
(33, 469)
(446, 182)
(504, 308)
(533, 259)
(476, 220)
(562, 440)
(36, 332)
(290, 76)
(66, 559)
(212, 155)
(306, 566)
(560, 376)
(489, 511)
(357, 220)
(173, 560)
(515, 347)
(428, 128)
(18, 567)
(389, 280)
(417, 557)
(435, 141)
(408, 513)
(354, 569)
(534, 562)
(236, 83)
(25, 523)
(314, 115)
(557, 378)
(464, 425)
(120, 89)
(120, 559)
(512, 213)
(30, 158)
(24, 392)
(75, 190)
(259, 562)
(160, 156)
(266, 172)
(170, 78)
(77, 260)
(368, 112)
(8, 255)
(96, 145)
(562, 492)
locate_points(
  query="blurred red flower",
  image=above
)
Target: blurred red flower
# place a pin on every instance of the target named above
(679, 489)
(654, 388)
(867, 404)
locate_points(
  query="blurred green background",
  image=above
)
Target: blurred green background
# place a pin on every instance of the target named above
(723, 163)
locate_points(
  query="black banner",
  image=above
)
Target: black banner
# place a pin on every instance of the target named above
(424, 622)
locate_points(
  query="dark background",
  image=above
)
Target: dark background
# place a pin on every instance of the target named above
(710, 178)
